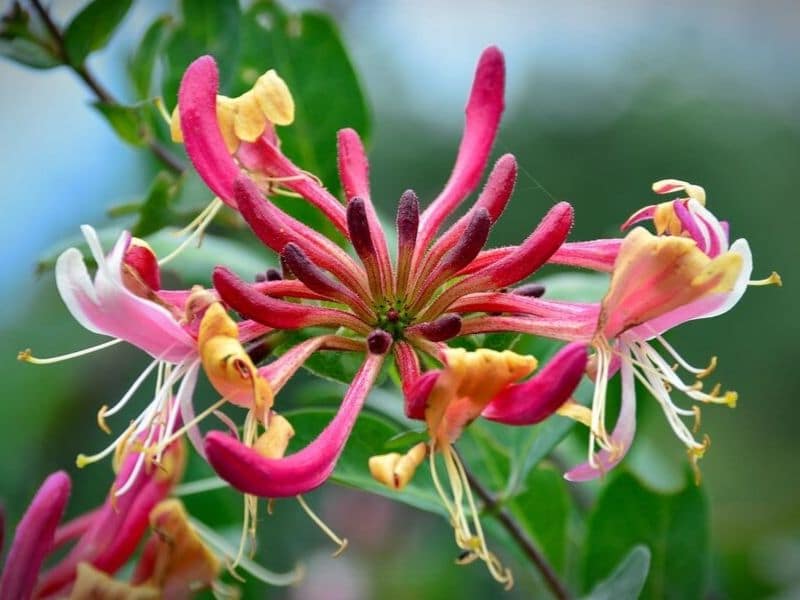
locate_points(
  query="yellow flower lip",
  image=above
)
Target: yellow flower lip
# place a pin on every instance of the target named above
(246, 117)
(228, 367)
(654, 275)
(469, 381)
(395, 470)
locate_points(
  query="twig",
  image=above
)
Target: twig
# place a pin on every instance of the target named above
(172, 162)
(492, 506)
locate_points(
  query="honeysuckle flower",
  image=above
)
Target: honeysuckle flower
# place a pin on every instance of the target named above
(472, 384)
(178, 559)
(688, 271)
(181, 330)
(407, 307)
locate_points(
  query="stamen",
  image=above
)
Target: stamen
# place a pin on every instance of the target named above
(699, 373)
(186, 426)
(107, 412)
(341, 542)
(82, 460)
(198, 231)
(27, 356)
(773, 279)
(474, 545)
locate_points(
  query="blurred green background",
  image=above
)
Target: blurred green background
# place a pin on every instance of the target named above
(602, 100)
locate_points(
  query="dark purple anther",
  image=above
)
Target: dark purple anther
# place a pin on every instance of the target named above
(470, 243)
(306, 271)
(358, 227)
(273, 275)
(441, 329)
(531, 290)
(407, 219)
(378, 341)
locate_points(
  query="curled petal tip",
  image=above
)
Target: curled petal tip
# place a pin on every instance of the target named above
(536, 399)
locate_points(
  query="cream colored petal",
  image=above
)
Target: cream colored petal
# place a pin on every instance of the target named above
(226, 116)
(175, 126)
(249, 121)
(274, 98)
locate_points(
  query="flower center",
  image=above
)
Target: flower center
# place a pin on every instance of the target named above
(393, 318)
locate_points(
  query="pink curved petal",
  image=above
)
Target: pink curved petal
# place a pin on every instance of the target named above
(33, 539)
(354, 173)
(494, 198)
(534, 400)
(598, 255)
(484, 108)
(568, 330)
(272, 312)
(416, 394)
(107, 307)
(526, 258)
(276, 229)
(251, 473)
(275, 164)
(197, 103)
(643, 214)
(621, 437)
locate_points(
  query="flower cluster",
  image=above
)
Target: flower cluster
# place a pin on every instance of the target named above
(390, 303)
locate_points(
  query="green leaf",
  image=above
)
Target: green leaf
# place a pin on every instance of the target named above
(21, 44)
(155, 212)
(368, 438)
(208, 27)
(92, 28)
(307, 52)
(543, 508)
(29, 53)
(336, 366)
(143, 60)
(575, 287)
(627, 580)
(129, 122)
(674, 527)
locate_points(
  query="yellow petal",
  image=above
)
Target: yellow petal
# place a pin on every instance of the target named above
(93, 583)
(181, 562)
(249, 122)
(274, 98)
(654, 275)
(395, 470)
(228, 367)
(175, 126)
(469, 381)
(274, 441)
(226, 117)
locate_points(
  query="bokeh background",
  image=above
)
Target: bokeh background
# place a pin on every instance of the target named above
(603, 99)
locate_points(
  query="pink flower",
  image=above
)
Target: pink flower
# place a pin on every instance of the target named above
(407, 307)
(182, 330)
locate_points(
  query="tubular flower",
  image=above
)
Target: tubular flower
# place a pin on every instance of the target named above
(405, 308)
(473, 384)
(688, 271)
(178, 559)
(181, 330)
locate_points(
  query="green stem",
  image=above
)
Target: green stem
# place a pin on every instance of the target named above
(172, 162)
